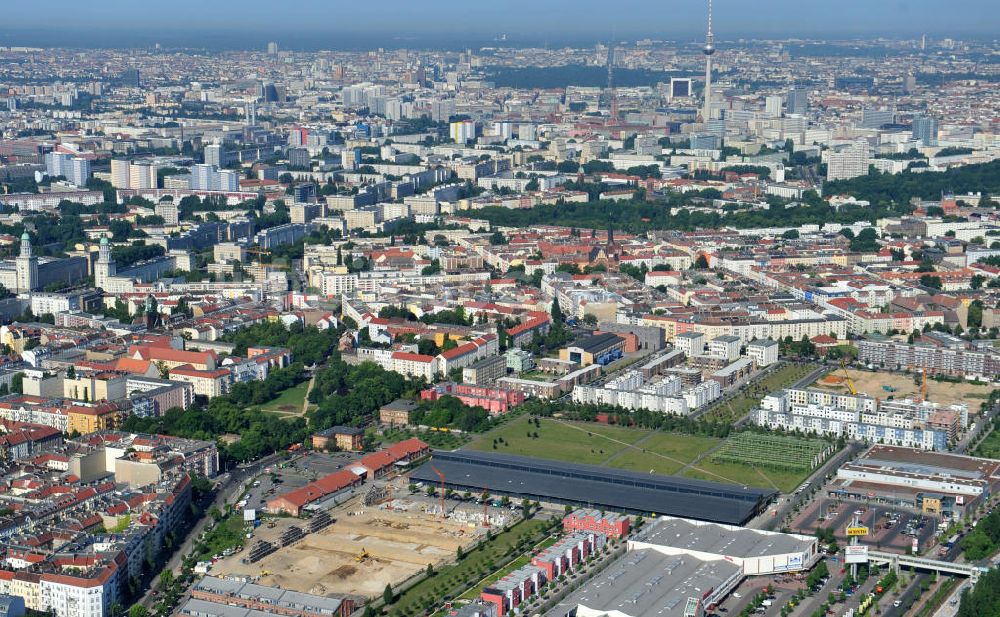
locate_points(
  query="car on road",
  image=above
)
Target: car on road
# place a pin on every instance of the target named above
(897, 604)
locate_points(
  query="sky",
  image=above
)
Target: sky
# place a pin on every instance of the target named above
(333, 24)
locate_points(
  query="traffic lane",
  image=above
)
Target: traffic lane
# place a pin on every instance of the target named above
(908, 596)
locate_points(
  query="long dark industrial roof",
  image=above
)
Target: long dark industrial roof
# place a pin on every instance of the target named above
(596, 342)
(593, 486)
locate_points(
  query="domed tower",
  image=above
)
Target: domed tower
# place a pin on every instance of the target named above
(708, 50)
(105, 267)
(26, 266)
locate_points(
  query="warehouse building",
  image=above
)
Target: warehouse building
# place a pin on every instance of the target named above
(600, 349)
(936, 483)
(684, 568)
(755, 551)
(595, 487)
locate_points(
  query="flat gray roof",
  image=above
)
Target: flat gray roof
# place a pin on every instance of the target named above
(646, 582)
(719, 540)
(272, 595)
(201, 608)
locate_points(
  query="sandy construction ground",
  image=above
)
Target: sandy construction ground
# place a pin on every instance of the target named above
(399, 544)
(946, 393)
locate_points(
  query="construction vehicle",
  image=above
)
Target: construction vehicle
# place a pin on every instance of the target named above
(441, 476)
(265, 572)
(271, 524)
(847, 375)
(363, 556)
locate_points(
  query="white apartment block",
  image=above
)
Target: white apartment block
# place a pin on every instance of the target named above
(923, 425)
(763, 352)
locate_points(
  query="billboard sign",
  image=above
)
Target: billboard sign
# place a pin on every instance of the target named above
(857, 531)
(249, 515)
(856, 553)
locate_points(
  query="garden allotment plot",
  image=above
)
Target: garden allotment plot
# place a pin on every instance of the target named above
(781, 452)
(781, 462)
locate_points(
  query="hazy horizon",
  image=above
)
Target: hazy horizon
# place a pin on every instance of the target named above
(319, 24)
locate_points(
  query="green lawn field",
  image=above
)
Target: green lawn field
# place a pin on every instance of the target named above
(612, 446)
(663, 453)
(785, 481)
(289, 402)
(577, 442)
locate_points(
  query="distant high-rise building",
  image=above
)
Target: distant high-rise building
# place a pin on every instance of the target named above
(210, 178)
(708, 50)
(705, 141)
(772, 106)
(909, 83)
(925, 130)
(394, 109)
(119, 173)
(79, 171)
(299, 158)
(680, 88)
(213, 155)
(350, 158)
(57, 164)
(130, 78)
(504, 129)
(304, 193)
(298, 136)
(269, 93)
(876, 118)
(462, 131)
(142, 176)
(272, 49)
(797, 101)
(716, 127)
(168, 210)
(228, 180)
(850, 162)
(201, 177)
(442, 109)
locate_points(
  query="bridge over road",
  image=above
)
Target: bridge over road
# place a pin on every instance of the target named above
(922, 563)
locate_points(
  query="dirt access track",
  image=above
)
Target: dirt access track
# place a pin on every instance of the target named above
(398, 543)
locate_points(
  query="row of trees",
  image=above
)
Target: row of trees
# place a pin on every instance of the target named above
(349, 395)
(640, 417)
(889, 195)
(984, 540)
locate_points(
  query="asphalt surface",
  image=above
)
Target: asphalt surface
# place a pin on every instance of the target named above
(228, 488)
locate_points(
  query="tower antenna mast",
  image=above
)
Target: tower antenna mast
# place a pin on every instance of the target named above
(708, 50)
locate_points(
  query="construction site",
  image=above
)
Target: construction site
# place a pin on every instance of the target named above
(886, 385)
(384, 536)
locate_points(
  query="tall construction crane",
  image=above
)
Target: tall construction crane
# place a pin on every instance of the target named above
(850, 382)
(440, 475)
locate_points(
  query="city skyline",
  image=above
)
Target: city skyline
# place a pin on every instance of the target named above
(315, 25)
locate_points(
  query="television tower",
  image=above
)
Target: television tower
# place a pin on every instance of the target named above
(708, 50)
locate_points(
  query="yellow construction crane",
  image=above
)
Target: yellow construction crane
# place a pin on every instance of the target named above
(850, 382)
(260, 258)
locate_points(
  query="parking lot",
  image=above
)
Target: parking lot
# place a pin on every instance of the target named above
(890, 528)
(294, 473)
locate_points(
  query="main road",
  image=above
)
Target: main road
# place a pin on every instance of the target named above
(228, 488)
